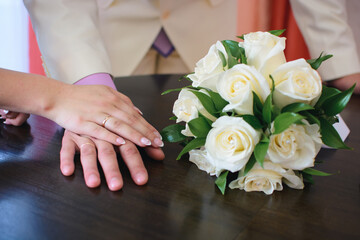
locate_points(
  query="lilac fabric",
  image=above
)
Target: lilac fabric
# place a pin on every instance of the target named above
(97, 79)
(162, 44)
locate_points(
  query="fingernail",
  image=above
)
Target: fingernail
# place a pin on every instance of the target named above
(115, 183)
(120, 141)
(158, 142)
(93, 179)
(3, 111)
(145, 141)
(158, 134)
(138, 110)
(140, 178)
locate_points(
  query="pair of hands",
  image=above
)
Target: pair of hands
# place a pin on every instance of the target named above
(99, 122)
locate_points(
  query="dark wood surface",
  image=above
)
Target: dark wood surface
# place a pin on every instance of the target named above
(179, 201)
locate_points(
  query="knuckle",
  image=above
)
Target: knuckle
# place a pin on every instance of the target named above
(88, 150)
(107, 151)
(129, 150)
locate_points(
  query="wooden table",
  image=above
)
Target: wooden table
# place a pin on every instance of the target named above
(179, 201)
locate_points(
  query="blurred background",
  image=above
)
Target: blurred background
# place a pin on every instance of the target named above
(19, 50)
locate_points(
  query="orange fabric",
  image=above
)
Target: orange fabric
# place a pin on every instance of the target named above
(282, 18)
(35, 62)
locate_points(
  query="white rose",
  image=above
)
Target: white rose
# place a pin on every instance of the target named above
(236, 86)
(199, 157)
(267, 179)
(296, 147)
(230, 143)
(296, 81)
(187, 108)
(209, 68)
(264, 51)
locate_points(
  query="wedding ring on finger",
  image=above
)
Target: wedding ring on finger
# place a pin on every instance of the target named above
(87, 143)
(105, 120)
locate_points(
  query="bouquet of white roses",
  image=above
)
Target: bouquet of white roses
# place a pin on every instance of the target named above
(250, 112)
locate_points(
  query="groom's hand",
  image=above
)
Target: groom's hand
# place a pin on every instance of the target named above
(92, 150)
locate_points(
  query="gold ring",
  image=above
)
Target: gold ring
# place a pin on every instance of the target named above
(87, 143)
(105, 120)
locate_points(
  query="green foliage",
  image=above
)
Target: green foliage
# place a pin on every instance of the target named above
(312, 171)
(336, 103)
(218, 101)
(206, 101)
(330, 136)
(296, 107)
(172, 133)
(285, 120)
(327, 92)
(221, 182)
(261, 150)
(267, 109)
(199, 126)
(195, 143)
(249, 165)
(253, 121)
(277, 32)
(315, 63)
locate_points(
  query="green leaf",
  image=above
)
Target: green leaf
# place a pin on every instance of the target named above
(171, 90)
(312, 171)
(223, 60)
(195, 143)
(243, 58)
(261, 150)
(207, 120)
(296, 107)
(219, 102)
(336, 103)
(232, 60)
(241, 37)
(221, 182)
(277, 32)
(172, 133)
(308, 177)
(206, 101)
(284, 120)
(173, 118)
(267, 110)
(257, 106)
(326, 93)
(311, 118)
(330, 136)
(253, 121)
(199, 127)
(315, 63)
(249, 165)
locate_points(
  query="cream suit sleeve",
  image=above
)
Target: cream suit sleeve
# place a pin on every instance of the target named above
(324, 26)
(69, 38)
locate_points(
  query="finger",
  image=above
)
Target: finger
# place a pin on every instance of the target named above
(109, 164)
(101, 133)
(18, 120)
(88, 160)
(11, 115)
(126, 131)
(136, 129)
(155, 153)
(67, 154)
(132, 159)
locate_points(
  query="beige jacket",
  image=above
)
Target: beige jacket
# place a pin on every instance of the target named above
(331, 26)
(81, 37)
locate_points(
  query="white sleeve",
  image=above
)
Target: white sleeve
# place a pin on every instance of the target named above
(69, 38)
(324, 26)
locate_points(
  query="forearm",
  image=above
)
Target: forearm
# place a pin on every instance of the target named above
(29, 93)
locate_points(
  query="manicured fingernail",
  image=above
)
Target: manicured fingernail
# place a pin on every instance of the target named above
(145, 141)
(158, 134)
(3, 111)
(158, 142)
(5, 122)
(93, 179)
(115, 183)
(138, 110)
(120, 141)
